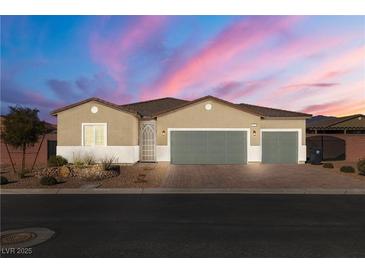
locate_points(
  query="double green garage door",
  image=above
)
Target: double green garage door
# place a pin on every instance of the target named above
(230, 147)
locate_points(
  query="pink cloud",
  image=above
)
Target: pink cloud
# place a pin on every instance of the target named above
(336, 108)
(113, 53)
(238, 38)
(349, 99)
(285, 55)
(328, 71)
(320, 108)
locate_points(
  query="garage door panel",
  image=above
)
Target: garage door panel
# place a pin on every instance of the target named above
(289, 147)
(269, 147)
(280, 147)
(215, 143)
(208, 147)
(237, 151)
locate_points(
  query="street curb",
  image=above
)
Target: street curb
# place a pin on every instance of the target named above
(308, 191)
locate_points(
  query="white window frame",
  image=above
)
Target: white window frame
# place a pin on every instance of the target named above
(95, 124)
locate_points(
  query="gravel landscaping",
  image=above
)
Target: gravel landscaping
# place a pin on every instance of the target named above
(139, 176)
(164, 175)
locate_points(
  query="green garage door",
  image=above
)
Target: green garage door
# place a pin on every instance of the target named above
(280, 147)
(208, 147)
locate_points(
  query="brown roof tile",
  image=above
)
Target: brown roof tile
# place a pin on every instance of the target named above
(273, 112)
(157, 107)
(152, 107)
(101, 101)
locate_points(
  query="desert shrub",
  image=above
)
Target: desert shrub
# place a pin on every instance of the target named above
(57, 160)
(361, 166)
(328, 165)
(77, 159)
(107, 162)
(48, 181)
(88, 159)
(347, 169)
(81, 160)
(3, 180)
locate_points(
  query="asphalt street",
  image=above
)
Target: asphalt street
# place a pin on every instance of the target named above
(195, 225)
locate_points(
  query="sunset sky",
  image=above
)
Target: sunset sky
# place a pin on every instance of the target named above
(313, 64)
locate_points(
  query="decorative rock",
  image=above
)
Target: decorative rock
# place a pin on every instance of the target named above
(64, 171)
(93, 172)
(48, 171)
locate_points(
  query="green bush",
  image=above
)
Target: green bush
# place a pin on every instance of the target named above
(347, 169)
(328, 165)
(57, 160)
(48, 181)
(361, 166)
(3, 180)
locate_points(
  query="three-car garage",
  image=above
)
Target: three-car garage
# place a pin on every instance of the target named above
(222, 146)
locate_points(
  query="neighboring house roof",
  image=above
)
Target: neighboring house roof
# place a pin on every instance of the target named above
(356, 121)
(162, 106)
(51, 128)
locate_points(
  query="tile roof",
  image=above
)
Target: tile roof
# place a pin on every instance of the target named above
(273, 112)
(95, 99)
(153, 108)
(324, 122)
(166, 105)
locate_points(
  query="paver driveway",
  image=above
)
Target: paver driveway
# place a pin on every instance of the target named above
(258, 176)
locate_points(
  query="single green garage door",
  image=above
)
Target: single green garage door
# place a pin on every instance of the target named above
(280, 147)
(208, 147)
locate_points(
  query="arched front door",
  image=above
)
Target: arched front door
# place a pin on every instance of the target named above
(148, 141)
(332, 148)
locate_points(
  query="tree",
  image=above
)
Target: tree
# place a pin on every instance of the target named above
(22, 128)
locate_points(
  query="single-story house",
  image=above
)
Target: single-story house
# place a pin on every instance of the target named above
(36, 155)
(207, 130)
(337, 138)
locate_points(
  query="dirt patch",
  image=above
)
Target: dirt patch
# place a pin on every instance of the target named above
(143, 175)
(33, 182)
(338, 164)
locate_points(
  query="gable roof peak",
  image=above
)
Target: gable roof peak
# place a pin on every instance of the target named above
(96, 99)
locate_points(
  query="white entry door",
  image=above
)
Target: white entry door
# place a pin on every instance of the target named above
(148, 141)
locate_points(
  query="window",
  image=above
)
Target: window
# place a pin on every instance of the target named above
(94, 134)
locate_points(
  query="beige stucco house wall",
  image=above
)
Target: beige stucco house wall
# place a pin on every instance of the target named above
(224, 116)
(123, 128)
(122, 131)
(196, 116)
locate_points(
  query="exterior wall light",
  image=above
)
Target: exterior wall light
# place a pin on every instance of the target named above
(208, 106)
(163, 133)
(94, 109)
(254, 133)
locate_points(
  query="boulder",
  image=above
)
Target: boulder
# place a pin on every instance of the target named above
(64, 171)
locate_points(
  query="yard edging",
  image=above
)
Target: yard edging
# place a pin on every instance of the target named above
(310, 191)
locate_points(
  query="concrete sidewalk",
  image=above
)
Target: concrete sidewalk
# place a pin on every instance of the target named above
(352, 191)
